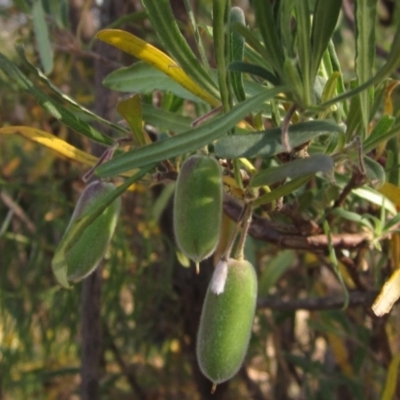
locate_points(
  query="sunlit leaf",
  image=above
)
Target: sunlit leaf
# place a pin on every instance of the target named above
(166, 26)
(131, 110)
(134, 46)
(388, 295)
(186, 142)
(51, 142)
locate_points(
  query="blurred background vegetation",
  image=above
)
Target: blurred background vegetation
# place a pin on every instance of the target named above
(304, 348)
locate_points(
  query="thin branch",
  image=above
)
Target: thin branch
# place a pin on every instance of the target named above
(265, 230)
(17, 210)
(357, 299)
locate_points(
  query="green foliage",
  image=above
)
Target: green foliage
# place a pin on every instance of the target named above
(305, 130)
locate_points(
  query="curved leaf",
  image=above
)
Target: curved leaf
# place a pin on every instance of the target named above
(61, 147)
(62, 97)
(51, 142)
(136, 47)
(185, 142)
(375, 172)
(269, 142)
(281, 191)
(143, 78)
(253, 69)
(164, 23)
(294, 169)
(57, 110)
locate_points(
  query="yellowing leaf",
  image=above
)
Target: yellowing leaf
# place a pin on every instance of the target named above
(388, 295)
(341, 354)
(388, 96)
(131, 110)
(61, 147)
(136, 47)
(391, 379)
(52, 142)
(392, 192)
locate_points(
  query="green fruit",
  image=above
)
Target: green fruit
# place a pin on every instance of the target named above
(86, 253)
(198, 207)
(226, 320)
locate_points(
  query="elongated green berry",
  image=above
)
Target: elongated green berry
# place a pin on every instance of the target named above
(86, 253)
(198, 207)
(226, 320)
(237, 52)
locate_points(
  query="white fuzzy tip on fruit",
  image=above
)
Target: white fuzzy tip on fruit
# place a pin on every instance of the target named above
(218, 279)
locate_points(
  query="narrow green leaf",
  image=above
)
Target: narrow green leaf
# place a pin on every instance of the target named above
(59, 95)
(374, 197)
(375, 172)
(253, 69)
(294, 169)
(221, 49)
(293, 78)
(164, 23)
(254, 51)
(41, 30)
(54, 108)
(391, 223)
(282, 191)
(326, 14)
(165, 120)
(352, 216)
(365, 18)
(141, 77)
(392, 63)
(269, 142)
(284, 21)
(378, 134)
(354, 115)
(392, 166)
(188, 141)
(199, 40)
(266, 23)
(237, 53)
(303, 33)
(336, 68)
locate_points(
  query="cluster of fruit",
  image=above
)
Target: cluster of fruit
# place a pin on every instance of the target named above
(228, 309)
